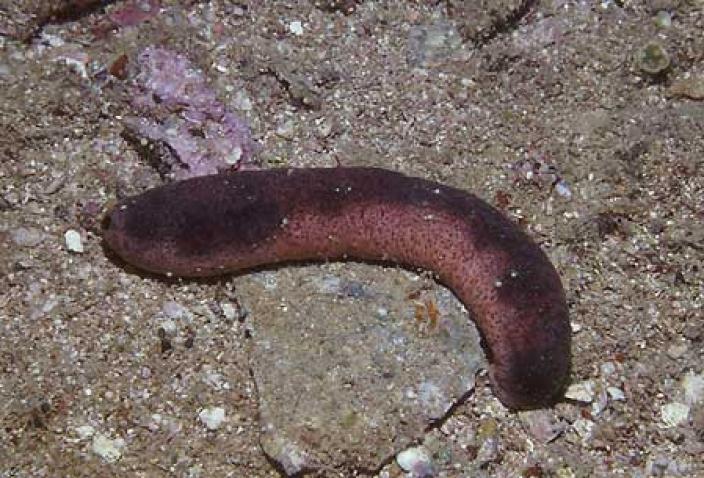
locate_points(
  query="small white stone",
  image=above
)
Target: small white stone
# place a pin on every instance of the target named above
(234, 156)
(324, 129)
(195, 471)
(693, 386)
(583, 427)
(73, 241)
(616, 393)
(107, 449)
(581, 392)
(607, 368)
(169, 327)
(286, 130)
(228, 310)
(674, 413)
(85, 431)
(576, 327)
(242, 101)
(296, 27)
(155, 422)
(173, 310)
(212, 417)
(563, 189)
(414, 459)
(663, 19)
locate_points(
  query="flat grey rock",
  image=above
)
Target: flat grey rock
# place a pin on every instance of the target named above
(349, 372)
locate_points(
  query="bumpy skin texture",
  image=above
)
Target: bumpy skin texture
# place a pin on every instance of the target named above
(230, 222)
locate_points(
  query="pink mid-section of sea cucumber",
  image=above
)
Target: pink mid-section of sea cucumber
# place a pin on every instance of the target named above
(236, 221)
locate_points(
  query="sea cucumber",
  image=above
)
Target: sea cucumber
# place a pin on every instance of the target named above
(235, 221)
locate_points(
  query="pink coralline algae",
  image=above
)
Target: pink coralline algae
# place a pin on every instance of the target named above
(180, 113)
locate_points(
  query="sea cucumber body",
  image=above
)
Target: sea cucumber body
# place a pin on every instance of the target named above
(231, 222)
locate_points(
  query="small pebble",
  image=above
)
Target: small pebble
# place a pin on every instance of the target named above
(693, 386)
(242, 101)
(691, 87)
(581, 392)
(286, 130)
(324, 129)
(488, 452)
(216, 380)
(607, 369)
(616, 393)
(173, 310)
(382, 312)
(73, 241)
(27, 236)
(653, 59)
(108, 449)
(296, 28)
(233, 156)
(661, 466)
(429, 44)
(228, 310)
(55, 185)
(415, 460)
(663, 19)
(169, 327)
(212, 417)
(85, 431)
(676, 351)
(542, 425)
(563, 189)
(674, 413)
(584, 428)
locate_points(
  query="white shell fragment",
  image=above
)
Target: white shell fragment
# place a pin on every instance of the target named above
(584, 428)
(415, 459)
(693, 386)
(296, 27)
(616, 393)
(85, 431)
(581, 392)
(674, 414)
(212, 417)
(73, 241)
(108, 449)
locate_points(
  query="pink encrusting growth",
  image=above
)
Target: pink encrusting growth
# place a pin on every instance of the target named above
(235, 221)
(180, 110)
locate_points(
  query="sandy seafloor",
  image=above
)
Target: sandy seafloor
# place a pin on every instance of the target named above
(561, 82)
